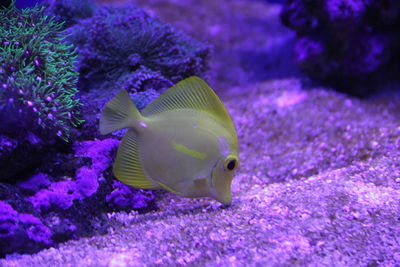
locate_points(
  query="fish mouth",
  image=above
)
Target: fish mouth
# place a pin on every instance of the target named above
(225, 200)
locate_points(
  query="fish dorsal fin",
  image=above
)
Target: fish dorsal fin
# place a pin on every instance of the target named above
(192, 93)
(128, 166)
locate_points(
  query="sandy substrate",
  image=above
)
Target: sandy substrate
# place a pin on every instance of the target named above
(319, 183)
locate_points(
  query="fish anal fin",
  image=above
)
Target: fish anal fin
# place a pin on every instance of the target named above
(128, 167)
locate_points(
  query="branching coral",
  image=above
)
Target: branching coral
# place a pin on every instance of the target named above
(345, 43)
(118, 41)
(37, 75)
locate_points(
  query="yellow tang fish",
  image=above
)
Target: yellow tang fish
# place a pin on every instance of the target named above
(184, 142)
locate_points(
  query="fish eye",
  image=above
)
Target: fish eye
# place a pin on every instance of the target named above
(231, 164)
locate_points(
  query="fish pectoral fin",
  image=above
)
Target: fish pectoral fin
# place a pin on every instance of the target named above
(165, 187)
(128, 167)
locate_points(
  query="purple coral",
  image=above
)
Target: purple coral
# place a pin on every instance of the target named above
(51, 209)
(35, 183)
(65, 204)
(345, 11)
(59, 195)
(63, 194)
(8, 222)
(124, 197)
(373, 51)
(98, 151)
(347, 44)
(35, 229)
(309, 51)
(20, 232)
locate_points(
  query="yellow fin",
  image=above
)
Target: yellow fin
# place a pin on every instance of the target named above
(119, 113)
(192, 93)
(128, 167)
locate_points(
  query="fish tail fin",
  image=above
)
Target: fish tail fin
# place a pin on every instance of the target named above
(119, 113)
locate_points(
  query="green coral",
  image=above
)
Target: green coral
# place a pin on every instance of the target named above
(37, 74)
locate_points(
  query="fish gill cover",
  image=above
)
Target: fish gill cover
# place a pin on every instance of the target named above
(51, 190)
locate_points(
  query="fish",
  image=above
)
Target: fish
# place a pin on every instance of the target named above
(184, 142)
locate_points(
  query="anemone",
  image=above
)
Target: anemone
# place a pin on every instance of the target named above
(115, 42)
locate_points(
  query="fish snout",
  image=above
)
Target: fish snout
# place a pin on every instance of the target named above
(224, 197)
